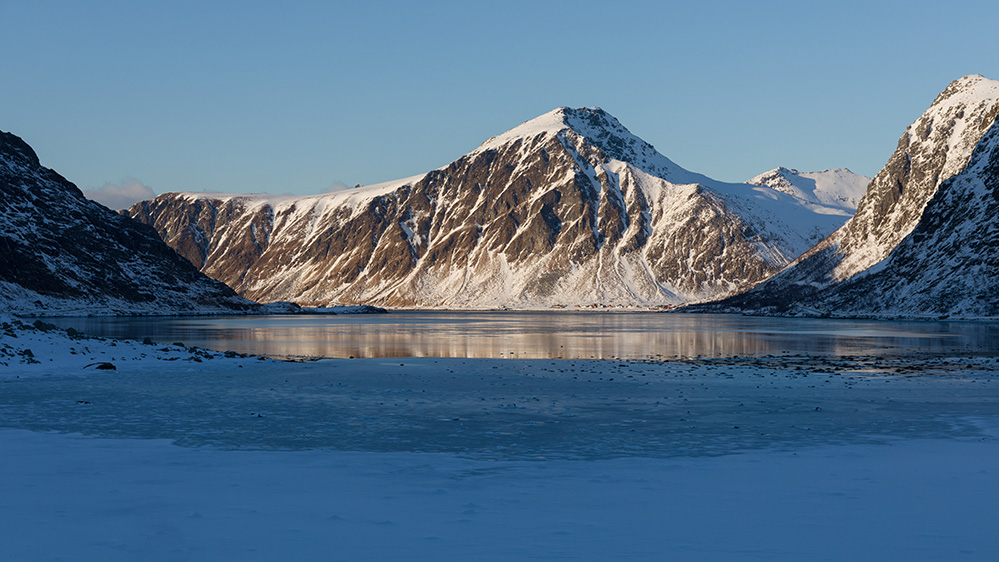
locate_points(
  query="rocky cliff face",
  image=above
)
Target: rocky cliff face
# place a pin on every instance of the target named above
(902, 252)
(63, 254)
(568, 208)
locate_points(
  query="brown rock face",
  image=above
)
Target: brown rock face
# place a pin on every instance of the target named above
(569, 208)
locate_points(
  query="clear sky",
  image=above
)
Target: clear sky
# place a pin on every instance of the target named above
(296, 97)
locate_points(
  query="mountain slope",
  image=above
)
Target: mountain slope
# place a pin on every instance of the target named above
(63, 254)
(567, 208)
(930, 165)
(948, 264)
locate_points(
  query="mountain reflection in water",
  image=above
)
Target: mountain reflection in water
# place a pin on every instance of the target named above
(548, 335)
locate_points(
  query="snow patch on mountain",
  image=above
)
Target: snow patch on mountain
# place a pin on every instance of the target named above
(838, 190)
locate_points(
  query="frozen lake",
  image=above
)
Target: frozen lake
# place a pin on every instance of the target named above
(787, 439)
(549, 335)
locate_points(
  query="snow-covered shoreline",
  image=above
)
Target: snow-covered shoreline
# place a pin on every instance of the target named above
(32, 349)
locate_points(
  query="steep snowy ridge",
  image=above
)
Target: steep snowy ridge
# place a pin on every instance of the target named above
(947, 265)
(63, 254)
(568, 208)
(932, 149)
(930, 174)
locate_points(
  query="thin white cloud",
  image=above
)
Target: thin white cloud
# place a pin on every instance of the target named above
(337, 185)
(121, 195)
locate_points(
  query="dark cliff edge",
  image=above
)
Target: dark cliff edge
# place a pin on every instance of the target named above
(61, 254)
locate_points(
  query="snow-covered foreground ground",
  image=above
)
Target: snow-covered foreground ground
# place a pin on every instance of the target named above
(74, 498)
(178, 456)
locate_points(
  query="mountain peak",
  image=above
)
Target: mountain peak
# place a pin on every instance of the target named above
(838, 188)
(12, 147)
(596, 127)
(585, 121)
(779, 171)
(970, 89)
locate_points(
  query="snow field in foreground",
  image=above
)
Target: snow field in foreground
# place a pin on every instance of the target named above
(74, 498)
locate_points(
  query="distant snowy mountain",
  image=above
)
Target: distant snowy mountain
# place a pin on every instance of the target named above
(567, 208)
(61, 254)
(838, 188)
(923, 240)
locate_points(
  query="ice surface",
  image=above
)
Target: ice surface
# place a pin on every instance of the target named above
(184, 454)
(67, 497)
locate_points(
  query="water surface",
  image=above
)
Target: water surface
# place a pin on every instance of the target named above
(549, 335)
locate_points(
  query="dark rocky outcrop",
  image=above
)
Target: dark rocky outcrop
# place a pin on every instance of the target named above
(63, 254)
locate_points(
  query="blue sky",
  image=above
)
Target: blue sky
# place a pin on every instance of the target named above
(294, 97)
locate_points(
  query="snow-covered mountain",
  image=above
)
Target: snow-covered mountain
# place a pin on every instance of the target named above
(838, 188)
(63, 254)
(924, 238)
(949, 264)
(567, 208)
